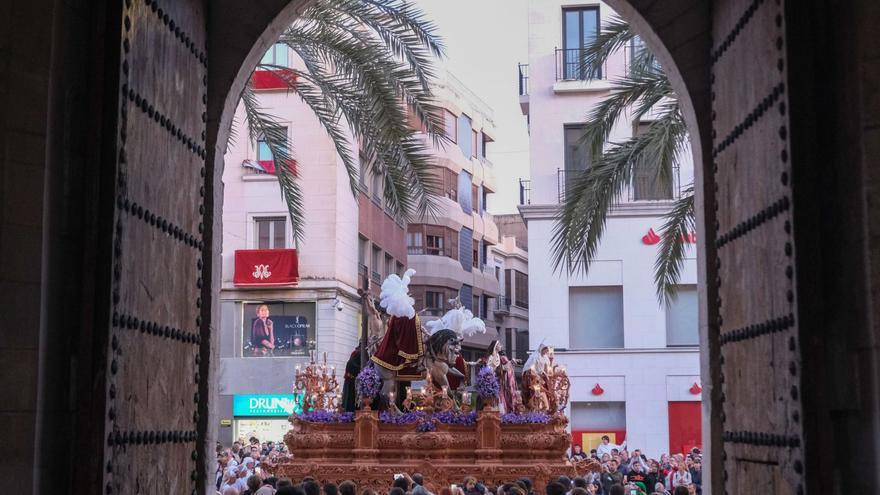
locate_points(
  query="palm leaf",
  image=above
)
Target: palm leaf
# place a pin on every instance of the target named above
(670, 258)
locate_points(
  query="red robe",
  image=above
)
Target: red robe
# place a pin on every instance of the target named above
(402, 345)
(461, 366)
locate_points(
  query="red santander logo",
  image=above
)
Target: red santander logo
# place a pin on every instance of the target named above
(650, 238)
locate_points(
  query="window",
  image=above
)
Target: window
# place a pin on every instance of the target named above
(378, 192)
(484, 305)
(432, 239)
(435, 245)
(447, 183)
(399, 269)
(465, 184)
(376, 264)
(484, 253)
(681, 318)
(485, 198)
(434, 302)
(450, 124)
(580, 26)
(595, 419)
(264, 152)
(509, 342)
(364, 172)
(271, 232)
(595, 317)
(476, 254)
(464, 130)
(521, 286)
(480, 145)
(486, 140)
(389, 265)
(475, 139)
(508, 285)
(498, 273)
(362, 251)
(475, 198)
(577, 152)
(277, 55)
(646, 185)
(522, 344)
(476, 304)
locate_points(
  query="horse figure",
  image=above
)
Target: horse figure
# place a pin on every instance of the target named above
(441, 350)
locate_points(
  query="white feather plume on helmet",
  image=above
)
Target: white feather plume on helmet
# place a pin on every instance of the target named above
(460, 320)
(395, 298)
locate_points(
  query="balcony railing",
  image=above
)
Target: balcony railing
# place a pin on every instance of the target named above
(643, 186)
(523, 70)
(525, 192)
(377, 277)
(502, 305)
(571, 66)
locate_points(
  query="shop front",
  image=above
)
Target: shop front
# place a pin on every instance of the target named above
(264, 416)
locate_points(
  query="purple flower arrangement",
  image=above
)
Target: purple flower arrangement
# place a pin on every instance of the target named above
(326, 417)
(407, 418)
(487, 384)
(368, 383)
(525, 418)
(426, 425)
(456, 418)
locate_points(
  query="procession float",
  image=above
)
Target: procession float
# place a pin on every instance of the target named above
(418, 407)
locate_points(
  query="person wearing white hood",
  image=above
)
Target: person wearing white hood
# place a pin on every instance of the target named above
(245, 470)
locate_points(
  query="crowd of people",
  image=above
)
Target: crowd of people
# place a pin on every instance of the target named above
(635, 471)
(246, 467)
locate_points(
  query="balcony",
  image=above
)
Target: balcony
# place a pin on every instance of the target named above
(523, 74)
(570, 66)
(643, 186)
(502, 306)
(525, 192)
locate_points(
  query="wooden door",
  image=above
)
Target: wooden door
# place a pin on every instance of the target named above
(760, 403)
(155, 418)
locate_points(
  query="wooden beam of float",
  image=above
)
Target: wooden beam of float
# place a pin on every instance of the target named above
(370, 453)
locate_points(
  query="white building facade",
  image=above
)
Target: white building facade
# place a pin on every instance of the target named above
(633, 362)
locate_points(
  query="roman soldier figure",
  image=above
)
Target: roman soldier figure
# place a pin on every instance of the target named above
(401, 346)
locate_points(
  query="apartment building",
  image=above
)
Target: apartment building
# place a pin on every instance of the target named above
(511, 261)
(634, 363)
(450, 251)
(310, 287)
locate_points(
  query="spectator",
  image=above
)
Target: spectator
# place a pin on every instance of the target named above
(616, 490)
(253, 484)
(697, 474)
(401, 483)
(470, 486)
(229, 490)
(527, 484)
(347, 488)
(311, 487)
(396, 491)
(418, 479)
(594, 454)
(330, 489)
(692, 489)
(282, 482)
(638, 476)
(579, 491)
(555, 488)
(594, 488)
(680, 490)
(368, 491)
(577, 453)
(681, 477)
(288, 490)
(565, 481)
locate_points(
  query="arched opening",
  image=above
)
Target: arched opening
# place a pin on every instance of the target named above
(784, 403)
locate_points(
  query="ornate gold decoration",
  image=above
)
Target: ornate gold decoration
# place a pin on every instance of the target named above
(317, 384)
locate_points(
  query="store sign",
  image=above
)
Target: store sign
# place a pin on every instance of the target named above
(266, 405)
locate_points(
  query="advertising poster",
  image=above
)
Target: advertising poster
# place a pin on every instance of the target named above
(278, 329)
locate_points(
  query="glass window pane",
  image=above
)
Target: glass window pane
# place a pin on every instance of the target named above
(681, 318)
(263, 234)
(267, 57)
(576, 150)
(464, 131)
(279, 227)
(572, 29)
(281, 54)
(590, 24)
(263, 151)
(595, 317)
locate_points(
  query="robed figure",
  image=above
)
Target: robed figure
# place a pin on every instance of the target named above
(497, 361)
(352, 368)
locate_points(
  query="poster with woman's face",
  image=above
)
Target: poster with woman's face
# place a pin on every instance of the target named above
(287, 330)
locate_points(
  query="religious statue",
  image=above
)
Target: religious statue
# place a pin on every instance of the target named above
(496, 360)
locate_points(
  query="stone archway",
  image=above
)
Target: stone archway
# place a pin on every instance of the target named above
(795, 283)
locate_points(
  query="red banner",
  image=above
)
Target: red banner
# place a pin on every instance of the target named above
(266, 267)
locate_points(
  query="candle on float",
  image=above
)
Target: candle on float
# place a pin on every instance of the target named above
(409, 392)
(391, 397)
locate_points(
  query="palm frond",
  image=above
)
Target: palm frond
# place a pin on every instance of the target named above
(266, 127)
(678, 226)
(613, 36)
